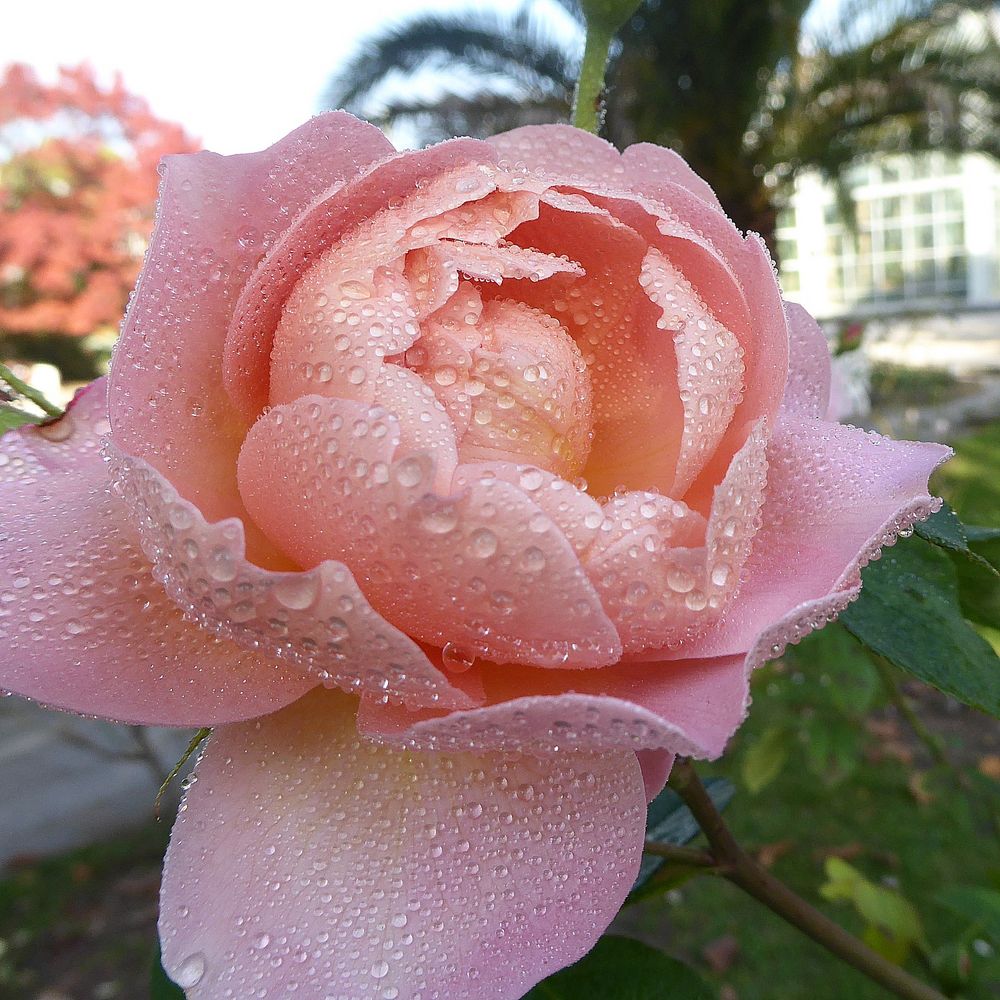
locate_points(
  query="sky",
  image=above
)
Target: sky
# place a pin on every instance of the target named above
(237, 76)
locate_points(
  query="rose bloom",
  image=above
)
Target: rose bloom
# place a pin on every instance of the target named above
(457, 490)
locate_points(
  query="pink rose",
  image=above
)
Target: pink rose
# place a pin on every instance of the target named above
(515, 443)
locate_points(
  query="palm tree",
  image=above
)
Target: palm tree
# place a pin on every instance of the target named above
(740, 89)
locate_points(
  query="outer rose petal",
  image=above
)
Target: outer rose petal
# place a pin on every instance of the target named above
(216, 216)
(318, 620)
(648, 167)
(834, 495)
(807, 393)
(84, 626)
(684, 707)
(309, 863)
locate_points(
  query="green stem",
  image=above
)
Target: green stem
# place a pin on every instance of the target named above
(742, 870)
(23, 389)
(590, 86)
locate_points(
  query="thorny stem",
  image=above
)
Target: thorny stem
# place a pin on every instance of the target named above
(28, 392)
(738, 867)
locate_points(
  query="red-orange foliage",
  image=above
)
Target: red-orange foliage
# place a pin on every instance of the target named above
(78, 186)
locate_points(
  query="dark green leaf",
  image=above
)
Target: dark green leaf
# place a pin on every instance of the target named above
(160, 986)
(979, 589)
(834, 658)
(669, 821)
(11, 417)
(945, 529)
(979, 905)
(622, 969)
(909, 613)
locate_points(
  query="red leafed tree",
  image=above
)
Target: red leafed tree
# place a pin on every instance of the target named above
(78, 187)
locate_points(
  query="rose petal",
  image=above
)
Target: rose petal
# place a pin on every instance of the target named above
(656, 767)
(464, 876)
(834, 495)
(560, 151)
(648, 167)
(323, 225)
(84, 626)
(661, 594)
(318, 620)
(496, 577)
(709, 366)
(631, 363)
(807, 393)
(688, 707)
(216, 216)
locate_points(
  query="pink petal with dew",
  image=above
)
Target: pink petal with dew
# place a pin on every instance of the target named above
(835, 494)
(648, 167)
(532, 399)
(362, 300)
(576, 514)
(631, 363)
(487, 220)
(688, 707)
(807, 393)
(709, 366)
(559, 152)
(483, 568)
(308, 862)
(340, 322)
(319, 620)
(660, 592)
(427, 182)
(84, 625)
(424, 424)
(217, 216)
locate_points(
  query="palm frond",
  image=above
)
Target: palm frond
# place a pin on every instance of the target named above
(479, 115)
(927, 83)
(518, 54)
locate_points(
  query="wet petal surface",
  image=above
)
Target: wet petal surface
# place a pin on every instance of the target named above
(308, 862)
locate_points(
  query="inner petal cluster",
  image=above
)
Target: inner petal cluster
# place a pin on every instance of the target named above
(497, 394)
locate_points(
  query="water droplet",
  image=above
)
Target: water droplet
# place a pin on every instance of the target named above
(191, 971)
(457, 660)
(483, 543)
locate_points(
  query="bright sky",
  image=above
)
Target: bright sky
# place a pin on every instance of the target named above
(236, 75)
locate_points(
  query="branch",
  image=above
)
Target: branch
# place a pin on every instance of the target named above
(742, 870)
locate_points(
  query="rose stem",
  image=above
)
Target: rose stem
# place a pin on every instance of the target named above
(603, 18)
(742, 870)
(23, 389)
(590, 86)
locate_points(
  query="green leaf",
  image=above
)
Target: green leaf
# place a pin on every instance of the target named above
(893, 924)
(669, 821)
(909, 613)
(622, 969)
(979, 905)
(979, 589)
(161, 987)
(11, 417)
(762, 762)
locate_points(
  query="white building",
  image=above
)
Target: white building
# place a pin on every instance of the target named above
(923, 258)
